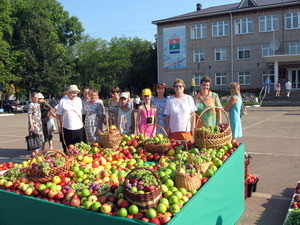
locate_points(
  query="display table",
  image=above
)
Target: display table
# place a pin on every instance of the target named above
(219, 202)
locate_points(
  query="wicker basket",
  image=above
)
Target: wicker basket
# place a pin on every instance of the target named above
(110, 140)
(186, 181)
(161, 148)
(203, 167)
(146, 200)
(212, 140)
(37, 175)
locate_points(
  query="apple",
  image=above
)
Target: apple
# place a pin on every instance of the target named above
(75, 202)
(122, 203)
(51, 194)
(96, 206)
(28, 191)
(87, 205)
(112, 199)
(175, 208)
(165, 219)
(102, 199)
(59, 196)
(106, 208)
(133, 210)
(155, 221)
(122, 212)
(92, 198)
(151, 213)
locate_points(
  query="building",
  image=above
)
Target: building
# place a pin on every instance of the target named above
(245, 42)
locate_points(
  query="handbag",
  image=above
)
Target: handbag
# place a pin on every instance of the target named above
(51, 125)
(243, 110)
(34, 141)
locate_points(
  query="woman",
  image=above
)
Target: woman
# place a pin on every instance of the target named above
(234, 107)
(178, 113)
(146, 115)
(206, 98)
(113, 103)
(94, 111)
(159, 101)
(69, 118)
(277, 89)
(46, 112)
(34, 119)
(124, 118)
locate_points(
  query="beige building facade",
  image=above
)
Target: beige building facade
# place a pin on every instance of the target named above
(244, 42)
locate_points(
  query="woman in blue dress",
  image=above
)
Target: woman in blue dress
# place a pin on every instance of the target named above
(234, 107)
(159, 101)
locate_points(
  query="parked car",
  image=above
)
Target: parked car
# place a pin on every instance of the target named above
(11, 106)
(25, 105)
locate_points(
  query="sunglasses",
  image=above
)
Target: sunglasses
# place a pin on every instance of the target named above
(178, 86)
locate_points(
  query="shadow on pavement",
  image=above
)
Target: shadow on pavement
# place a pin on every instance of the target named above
(275, 209)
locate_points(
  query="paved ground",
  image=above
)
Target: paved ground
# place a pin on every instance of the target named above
(272, 137)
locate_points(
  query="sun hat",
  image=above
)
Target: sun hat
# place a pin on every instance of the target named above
(124, 95)
(40, 95)
(146, 91)
(73, 88)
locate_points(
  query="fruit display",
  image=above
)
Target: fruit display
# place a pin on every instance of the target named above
(112, 130)
(6, 166)
(157, 140)
(99, 177)
(293, 215)
(214, 129)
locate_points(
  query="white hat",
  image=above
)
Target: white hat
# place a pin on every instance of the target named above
(40, 95)
(73, 88)
(124, 95)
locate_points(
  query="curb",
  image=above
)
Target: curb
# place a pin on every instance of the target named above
(7, 115)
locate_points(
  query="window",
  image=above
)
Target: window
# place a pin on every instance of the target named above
(244, 26)
(268, 23)
(243, 52)
(197, 78)
(198, 31)
(198, 56)
(294, 48)
(220, 79)
(292, 20)
(269, 74)
(266, 50)
(220, 28)
(220, 54)
(244, 78)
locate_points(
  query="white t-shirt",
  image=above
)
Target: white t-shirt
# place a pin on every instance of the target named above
(179, 110)
(70, 110)
(288, 85)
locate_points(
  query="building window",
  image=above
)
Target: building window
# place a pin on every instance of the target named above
(292, 20)
(220, 28)
(198, 56)
(244, 78)
(197, 77)
(268, 23)
(266, 50)
(294, 48)
(269, 74)
(220, 79)
(198, 31)
(220, 54)
(244, 26)
(243, 52)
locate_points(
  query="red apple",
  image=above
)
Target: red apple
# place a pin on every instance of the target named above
(75, 202)
(122, 203)
(155, 221)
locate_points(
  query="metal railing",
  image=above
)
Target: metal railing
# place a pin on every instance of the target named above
(262, 95)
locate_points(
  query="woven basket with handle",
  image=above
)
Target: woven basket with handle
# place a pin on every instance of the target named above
(110, 140)
(212, 140)
(37, 175)
(145, 200)
(183, 180)
(156, 148)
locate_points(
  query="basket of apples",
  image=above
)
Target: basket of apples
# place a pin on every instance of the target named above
(111, 138)
(213, 136)
(142, 187)
(187, 175)
(158, 144)
(202, 161)
(47, 164)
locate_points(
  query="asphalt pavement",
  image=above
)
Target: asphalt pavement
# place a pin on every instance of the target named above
(271, 137)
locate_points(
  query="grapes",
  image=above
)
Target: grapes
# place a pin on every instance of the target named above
(200, 158)
(13, 174)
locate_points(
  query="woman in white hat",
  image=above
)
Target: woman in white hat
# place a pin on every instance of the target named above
(69, 118)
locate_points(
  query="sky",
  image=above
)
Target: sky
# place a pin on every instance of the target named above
(131, 18)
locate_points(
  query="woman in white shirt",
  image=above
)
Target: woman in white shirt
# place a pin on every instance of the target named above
(178, 111)
(69, 118)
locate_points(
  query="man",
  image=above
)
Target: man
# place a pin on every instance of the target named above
(69, 118)
(85, 97)
(267, 85)
(288, 87)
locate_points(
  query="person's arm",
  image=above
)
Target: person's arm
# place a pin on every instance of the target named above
(230, 103)
(116, 119)
(138, 117)
(132, 122)
(168, 130)
(219, 113)
(30, 118)
(59, 123)
(193, 123)
(101, 116)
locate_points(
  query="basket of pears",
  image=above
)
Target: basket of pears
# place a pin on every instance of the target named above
(157, 144)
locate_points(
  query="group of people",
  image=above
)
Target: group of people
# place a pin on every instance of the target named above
(81, 119)
(277, 87)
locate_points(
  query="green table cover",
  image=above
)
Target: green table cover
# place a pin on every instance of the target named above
(219, 202)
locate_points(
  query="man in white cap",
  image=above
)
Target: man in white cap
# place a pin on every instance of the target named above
(69, 118)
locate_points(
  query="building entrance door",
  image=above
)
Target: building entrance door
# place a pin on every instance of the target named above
(294, 78)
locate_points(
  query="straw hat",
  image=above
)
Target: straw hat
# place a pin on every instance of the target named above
(73, 88)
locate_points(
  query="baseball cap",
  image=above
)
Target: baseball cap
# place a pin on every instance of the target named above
(146, 91)
(40, 95)
(124, 95)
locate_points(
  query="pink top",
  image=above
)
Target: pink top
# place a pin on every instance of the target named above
(143, 122)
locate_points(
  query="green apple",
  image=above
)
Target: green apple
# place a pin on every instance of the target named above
(151, 213)
(133, 209)
(96, 206)
(122, 212)
(161, 208)
(174, 208)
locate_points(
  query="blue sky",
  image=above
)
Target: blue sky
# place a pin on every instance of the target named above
(132, 18)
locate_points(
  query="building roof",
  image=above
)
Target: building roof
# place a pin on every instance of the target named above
(229, 8)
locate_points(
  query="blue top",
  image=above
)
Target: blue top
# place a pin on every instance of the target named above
(160, 105)
(267, 82)
(235, 118)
